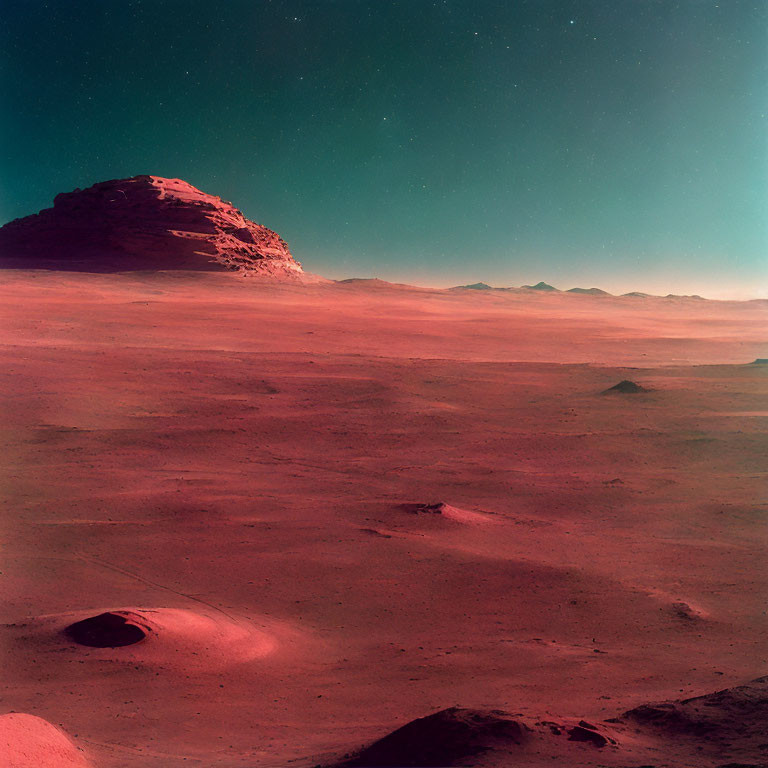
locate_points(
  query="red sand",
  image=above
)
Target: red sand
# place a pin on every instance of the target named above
(27, 741)
(246, 461)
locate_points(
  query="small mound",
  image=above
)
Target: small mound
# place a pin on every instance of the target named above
(446, 738)
(686, 611)
(626, 387)
(27, 741)
(429, 509)
(448, 512)
(107, 630)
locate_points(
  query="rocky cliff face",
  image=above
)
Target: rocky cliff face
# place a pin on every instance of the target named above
(144, 223)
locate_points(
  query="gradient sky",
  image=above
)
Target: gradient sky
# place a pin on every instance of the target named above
(617, 143)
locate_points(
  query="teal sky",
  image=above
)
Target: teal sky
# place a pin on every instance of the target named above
(619, 143)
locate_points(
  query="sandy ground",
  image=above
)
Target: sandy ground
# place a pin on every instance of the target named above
(239, 467)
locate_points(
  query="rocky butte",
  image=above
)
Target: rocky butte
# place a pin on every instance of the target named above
(144, 223)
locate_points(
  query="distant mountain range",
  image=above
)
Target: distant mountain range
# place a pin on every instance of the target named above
(547, 288)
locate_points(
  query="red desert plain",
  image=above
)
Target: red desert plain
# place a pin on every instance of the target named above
(265, 520)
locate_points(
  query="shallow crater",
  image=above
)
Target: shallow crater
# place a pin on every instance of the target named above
(107, 630)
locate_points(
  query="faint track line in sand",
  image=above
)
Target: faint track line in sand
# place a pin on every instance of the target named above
(130, 574)
(136, 750)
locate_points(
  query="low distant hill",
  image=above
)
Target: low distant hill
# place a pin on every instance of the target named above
(476, 287)
(377, 283)
(589, 291)
(541, 287)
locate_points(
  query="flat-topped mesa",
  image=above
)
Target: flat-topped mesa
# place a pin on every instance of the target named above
(144, 223)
